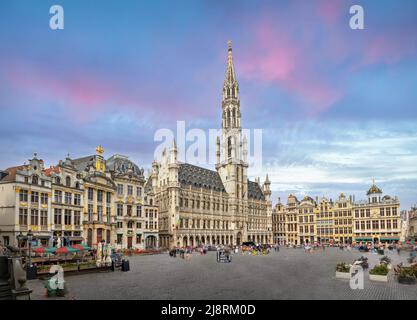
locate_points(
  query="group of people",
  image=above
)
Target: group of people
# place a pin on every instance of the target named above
(186, 253)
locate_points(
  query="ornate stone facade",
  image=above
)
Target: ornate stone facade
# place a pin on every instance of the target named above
(201, 206)
(25, 202)
(376, 219)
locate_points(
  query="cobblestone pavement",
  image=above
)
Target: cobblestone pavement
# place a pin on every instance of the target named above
(288, 274)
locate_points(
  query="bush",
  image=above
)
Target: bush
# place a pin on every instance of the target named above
(342, 267)
(380, 270)
(407, 275)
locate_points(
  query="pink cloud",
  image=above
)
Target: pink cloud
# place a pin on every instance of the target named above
(330, 10)
(273, 57)
(86, 96)
(390, 47)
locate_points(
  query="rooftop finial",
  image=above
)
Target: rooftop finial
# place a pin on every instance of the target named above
(100, 150)
(229, 45)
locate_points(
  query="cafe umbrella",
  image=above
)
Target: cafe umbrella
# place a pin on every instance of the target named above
(44, 250)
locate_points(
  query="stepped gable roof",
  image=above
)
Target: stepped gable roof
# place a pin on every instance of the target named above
(199, 177)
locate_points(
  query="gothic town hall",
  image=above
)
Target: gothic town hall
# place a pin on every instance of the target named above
(213, 207)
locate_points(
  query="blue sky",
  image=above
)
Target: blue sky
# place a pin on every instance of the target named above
(337, 106)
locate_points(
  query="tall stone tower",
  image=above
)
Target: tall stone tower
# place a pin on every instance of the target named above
(231, 164)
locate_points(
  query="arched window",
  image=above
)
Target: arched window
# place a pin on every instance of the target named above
(68, 181)
(35, 180)
(77, 185)
(58, 180)
(229, 147)
(228, 118)
(234, 118)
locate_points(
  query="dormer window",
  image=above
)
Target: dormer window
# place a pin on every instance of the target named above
(68, 181)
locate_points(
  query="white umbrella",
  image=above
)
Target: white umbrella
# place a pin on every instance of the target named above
(58, 242)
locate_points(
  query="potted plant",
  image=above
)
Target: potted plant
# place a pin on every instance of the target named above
(379, 273)
(407, 275)
(387, 261)
(343, 270)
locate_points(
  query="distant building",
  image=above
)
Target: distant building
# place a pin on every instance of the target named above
(412, 224)
(67, 204)
(25, 203)
(377, 218)
(343, 221)
(88, 199)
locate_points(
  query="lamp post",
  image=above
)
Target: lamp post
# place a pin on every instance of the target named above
(30, 238)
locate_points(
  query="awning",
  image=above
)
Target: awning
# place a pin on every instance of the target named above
(390, 239)
(76, 238)
(363, 239)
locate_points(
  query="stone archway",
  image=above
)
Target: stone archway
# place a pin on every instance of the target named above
(238, 238)
(203, 240)
(191, 241)
(213, 240)
(185, 241)
(150, 242)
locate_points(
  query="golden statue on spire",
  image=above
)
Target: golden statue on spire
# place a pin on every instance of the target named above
(100, 150)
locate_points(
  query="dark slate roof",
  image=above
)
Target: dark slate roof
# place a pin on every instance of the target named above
(121, 165)
(255, 191)
(82, 163)
(199, 177)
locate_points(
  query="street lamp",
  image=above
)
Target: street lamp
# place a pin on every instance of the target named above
(30, 238)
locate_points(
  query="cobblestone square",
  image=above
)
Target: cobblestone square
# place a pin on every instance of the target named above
(288, 274)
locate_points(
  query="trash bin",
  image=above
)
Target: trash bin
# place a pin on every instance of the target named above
(125, 265)
(381, 251)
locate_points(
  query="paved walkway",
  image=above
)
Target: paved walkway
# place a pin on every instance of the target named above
(288, 274)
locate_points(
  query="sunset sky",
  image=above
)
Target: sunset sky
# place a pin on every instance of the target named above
(338, 107)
